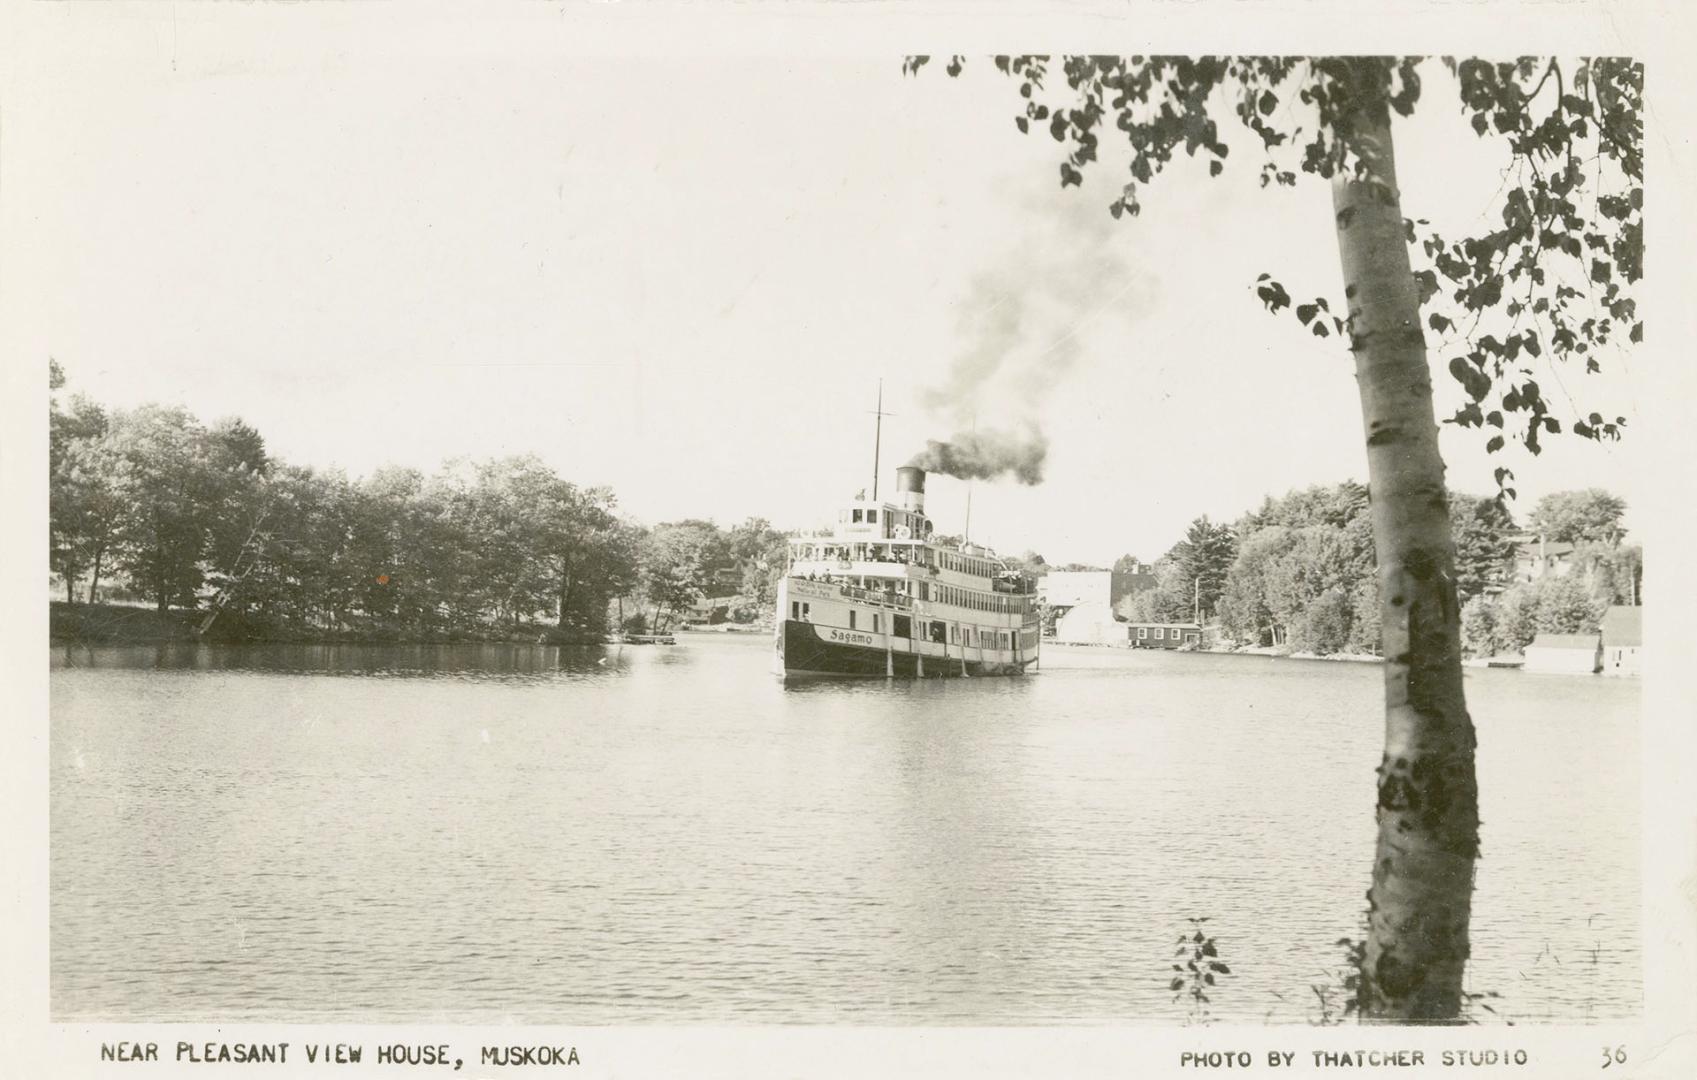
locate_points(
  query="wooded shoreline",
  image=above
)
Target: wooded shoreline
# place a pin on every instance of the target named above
(119, 624)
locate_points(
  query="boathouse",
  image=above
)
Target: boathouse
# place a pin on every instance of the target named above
(1164, 635)
(1565, 654)
(1623, 637)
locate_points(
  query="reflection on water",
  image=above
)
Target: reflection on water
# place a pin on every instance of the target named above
(668, 834)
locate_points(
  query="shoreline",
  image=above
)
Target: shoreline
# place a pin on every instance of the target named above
(1267, 651)
(121, 624)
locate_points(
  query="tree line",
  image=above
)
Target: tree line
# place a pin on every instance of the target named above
(1298, 571)
(151, 504)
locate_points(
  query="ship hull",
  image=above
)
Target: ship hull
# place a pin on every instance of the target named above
(803, 651)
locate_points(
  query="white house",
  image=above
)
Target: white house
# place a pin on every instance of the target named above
(1565, 654)
(1623, 637)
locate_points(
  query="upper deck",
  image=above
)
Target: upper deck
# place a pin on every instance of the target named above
(880, 539)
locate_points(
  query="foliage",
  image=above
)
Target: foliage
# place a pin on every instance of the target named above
(1553, 604)
(1550, 280)
(1339, 996)
(1592, 515)
(760, 554)
(1168, 602)
(1615, 573)
(169, 486)
(1203, 558)
(83, 506)
(200, 517)
(680, 563)
(1303, 576)
(1484, 544)
(1196, 967)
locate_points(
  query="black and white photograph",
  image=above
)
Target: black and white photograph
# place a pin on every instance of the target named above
(550, 527)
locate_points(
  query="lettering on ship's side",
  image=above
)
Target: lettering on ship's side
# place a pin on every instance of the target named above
(809, 588)
(849, 637)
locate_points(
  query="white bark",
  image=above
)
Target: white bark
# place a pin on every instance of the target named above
(1421, 898)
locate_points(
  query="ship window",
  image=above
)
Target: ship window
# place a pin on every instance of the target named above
(874, 622)
(857, 515)
(795, 609)
(954, 633)
(851, 618)
(901, 626)
(806, 611)
(872, 517)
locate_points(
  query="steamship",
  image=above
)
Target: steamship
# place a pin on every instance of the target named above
(878, 596)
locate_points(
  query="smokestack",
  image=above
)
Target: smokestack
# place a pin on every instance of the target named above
(910, 488)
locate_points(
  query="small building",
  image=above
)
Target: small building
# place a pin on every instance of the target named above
(1565, 654)
(1089, 624)
(1623, 637)
(1542, 558)
(1164, 635)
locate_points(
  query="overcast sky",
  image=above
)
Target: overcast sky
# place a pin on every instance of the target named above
(684, 279)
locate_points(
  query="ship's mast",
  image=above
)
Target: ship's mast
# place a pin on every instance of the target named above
(878, 437)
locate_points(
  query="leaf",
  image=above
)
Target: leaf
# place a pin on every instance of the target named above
(1440, 323)
(1273, 295)
(1215, 168)
(1475, 382)
(1494, 444)
(1267, 103)
(1023, 124)
(1427, 282)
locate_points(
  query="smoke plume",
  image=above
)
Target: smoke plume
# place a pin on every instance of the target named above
(987, 455)
(1023, 325)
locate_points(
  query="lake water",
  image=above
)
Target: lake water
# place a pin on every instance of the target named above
(655, 834)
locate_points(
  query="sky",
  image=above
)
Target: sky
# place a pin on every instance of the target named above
(686, 278)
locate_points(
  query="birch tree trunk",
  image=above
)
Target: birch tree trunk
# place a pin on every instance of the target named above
(1428, 816)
